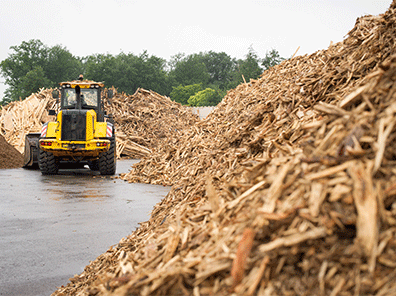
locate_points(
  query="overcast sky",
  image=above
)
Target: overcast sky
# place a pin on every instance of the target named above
(167, 27)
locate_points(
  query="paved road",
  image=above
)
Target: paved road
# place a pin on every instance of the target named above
(52, 226)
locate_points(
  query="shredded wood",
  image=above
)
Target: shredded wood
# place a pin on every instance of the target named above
(146, 120)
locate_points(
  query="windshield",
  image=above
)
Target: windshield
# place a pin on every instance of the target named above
(89, 97)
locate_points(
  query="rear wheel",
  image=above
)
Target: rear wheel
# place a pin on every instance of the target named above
(107, 160)
(48, 163)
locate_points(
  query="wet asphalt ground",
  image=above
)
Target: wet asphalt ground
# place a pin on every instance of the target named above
(51, 227)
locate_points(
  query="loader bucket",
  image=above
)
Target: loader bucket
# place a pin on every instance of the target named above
(30, 157)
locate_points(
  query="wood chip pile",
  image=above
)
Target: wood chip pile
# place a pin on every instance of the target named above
(287, 188)
(10, 158)
(143, 121)
(146, 120)
(19, 118)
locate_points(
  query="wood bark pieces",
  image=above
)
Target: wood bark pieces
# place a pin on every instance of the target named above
(243, 251)
(258, 275)
(316, 198)
(9, 157)
(212, 195)
(330, 171)
(367, 209)
(293, 239)
(275, 190)
(383, 135)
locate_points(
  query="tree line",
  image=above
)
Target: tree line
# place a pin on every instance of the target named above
(200, 79)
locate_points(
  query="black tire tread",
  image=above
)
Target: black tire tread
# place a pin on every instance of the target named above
(107, 160)
(48, 163)
(94, 165)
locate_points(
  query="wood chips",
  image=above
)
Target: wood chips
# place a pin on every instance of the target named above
(146, 120)
(287, 188)
(19, 118)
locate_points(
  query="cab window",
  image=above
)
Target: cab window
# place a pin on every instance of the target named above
(89, 98)
(69, 97)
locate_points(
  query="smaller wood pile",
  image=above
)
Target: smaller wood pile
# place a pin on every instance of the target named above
(19, 118)
(146, 120)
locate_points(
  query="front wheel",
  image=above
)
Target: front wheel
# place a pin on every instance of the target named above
(107, 160)
(48, 163)
(94, 165)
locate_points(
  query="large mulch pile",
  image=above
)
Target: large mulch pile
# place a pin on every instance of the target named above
(287, 188)
(10, 158)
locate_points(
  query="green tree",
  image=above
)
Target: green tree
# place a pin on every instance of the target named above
(189, 70)
(33, 65)
(61, 65)
(100, 67)
(249, 67)
(271, 59)
(33, 81)
(175, 59)
(25, 58)
(153, 74)
(128, 72)
(220, 67)
(181, 93)
(206, 97)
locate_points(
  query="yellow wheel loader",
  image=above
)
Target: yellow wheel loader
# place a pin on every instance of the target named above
(82, 133)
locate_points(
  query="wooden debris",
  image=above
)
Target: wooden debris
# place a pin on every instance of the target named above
(286, 142)
(19, 118)
(243, 251)
(367, 223)
(146, 120)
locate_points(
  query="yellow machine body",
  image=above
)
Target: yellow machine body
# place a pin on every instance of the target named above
(93, 145)
(82, 133)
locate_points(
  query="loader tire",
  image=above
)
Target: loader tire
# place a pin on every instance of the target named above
(48, 163)
(107, 161)
(93, 165)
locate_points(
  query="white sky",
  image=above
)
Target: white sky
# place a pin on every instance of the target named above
(167, 27)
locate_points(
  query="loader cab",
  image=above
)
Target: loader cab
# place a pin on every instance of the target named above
(82, 95)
